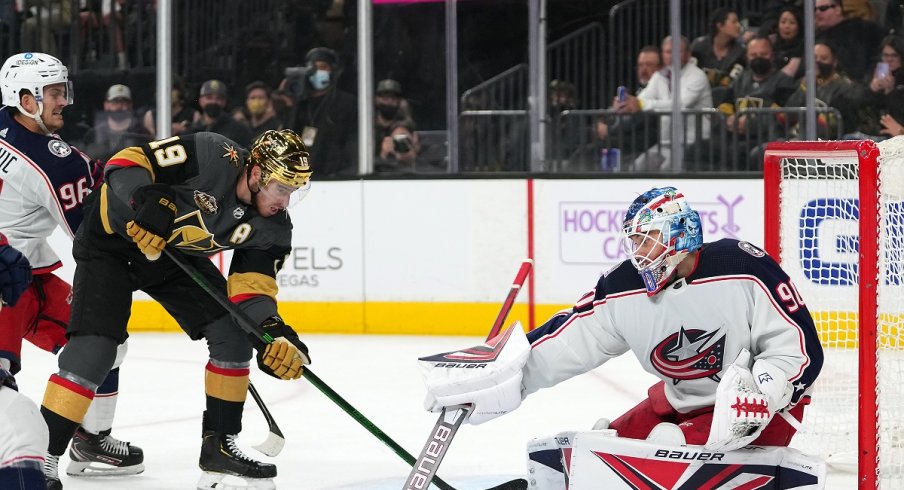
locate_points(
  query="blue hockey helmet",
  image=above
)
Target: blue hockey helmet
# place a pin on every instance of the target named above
(660, 230)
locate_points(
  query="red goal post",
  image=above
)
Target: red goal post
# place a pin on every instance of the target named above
(834, 219)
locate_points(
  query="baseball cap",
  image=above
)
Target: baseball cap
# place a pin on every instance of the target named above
(213, 87)
(389, 86)
(118, 91)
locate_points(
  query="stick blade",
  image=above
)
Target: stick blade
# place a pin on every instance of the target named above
(272, 446)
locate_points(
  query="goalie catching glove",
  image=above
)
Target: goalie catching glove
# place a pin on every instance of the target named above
(487, 377)
(746, 401)
(285, 357)
(155, 212)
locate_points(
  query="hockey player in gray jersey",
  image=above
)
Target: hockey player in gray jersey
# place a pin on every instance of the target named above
(719, 323)
(198, 195)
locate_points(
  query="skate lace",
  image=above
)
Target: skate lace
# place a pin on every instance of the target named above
(51, 467)
(115, 446)
(234, 449)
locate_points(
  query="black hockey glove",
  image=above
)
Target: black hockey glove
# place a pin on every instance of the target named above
(155, 212)
(15, 274)
(286, 356)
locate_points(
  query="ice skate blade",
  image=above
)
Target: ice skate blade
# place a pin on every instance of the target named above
(81, 469)
(214, 481)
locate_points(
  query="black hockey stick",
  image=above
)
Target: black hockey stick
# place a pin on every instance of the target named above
(450, 418)
(275, 441)
(248, 325)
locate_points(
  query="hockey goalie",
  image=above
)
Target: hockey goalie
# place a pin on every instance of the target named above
(720, 324)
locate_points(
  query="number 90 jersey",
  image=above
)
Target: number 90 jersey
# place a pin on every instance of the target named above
(43, 181)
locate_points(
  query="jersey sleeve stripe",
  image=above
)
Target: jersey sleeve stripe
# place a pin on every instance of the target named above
(251, 283)
(132, 157)
(104, 211)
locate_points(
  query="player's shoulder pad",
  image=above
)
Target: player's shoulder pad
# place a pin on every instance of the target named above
(623, 277)
(727, 257)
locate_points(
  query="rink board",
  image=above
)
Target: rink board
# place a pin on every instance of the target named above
(438, 256)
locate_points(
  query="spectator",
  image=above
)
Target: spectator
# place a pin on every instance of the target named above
(861, 9)
(398, 150)
(720, 53)
(98, 19)
(761, 85)
(326, 117)
(214, 117)
(183, 116)
(833, 89)
(657, 96)
(390, 107)
(563, 139)
(42, 20)
(117, 127)
(630, 133)
(788, 42)
(258, 113)
(887, 87)
(772, 11)
(855, 40)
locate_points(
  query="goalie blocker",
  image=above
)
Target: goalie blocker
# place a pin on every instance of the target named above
(601, 459)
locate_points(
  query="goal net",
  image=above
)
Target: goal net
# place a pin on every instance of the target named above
(835, 221)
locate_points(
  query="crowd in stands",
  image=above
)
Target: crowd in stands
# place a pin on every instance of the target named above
(742, 85)
(754, 78)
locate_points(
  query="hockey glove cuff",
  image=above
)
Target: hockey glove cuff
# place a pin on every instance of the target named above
(286, 356)
(15, 274)
(155, 212)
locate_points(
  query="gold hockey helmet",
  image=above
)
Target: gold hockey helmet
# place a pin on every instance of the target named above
(282, 156)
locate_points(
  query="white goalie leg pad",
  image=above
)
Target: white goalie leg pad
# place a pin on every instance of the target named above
(603, 461)
(487, 376)
(741, 411)
(549, 460)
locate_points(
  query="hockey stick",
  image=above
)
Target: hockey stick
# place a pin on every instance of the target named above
(248, 325)
(450, 418)
(275, 441)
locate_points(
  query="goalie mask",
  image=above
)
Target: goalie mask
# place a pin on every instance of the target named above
(660, 230)
(32, 72)
(283, 159)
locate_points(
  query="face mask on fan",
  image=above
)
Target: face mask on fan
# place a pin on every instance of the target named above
(320, 79)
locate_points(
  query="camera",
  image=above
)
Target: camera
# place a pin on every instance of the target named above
(401, 143)
(295, 81)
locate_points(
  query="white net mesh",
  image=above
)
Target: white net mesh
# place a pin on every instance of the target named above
(820, 245)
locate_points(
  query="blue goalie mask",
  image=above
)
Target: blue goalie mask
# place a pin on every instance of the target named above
(660, 230)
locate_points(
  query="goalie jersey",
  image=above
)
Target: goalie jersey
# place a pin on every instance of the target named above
(43, 181)
(736, 298)
(202, 170)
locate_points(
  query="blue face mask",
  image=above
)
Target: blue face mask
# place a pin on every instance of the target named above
(320, 79)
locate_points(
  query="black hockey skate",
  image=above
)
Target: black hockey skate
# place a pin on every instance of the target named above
(103, 455)
(51, 474)
(220, 457)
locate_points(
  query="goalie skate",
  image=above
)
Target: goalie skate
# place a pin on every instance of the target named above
(103, 455)
(227, 468)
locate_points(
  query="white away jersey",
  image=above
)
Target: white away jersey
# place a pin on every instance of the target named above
(43, 181)
(736, 298)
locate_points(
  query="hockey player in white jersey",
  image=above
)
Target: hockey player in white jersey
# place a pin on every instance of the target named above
(23, 434)
(43, 181)
(719, 323)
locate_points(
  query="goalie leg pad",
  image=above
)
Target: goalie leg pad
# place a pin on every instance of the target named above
(602, 461)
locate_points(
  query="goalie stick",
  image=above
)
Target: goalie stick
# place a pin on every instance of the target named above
(248, 325)
(450, 418)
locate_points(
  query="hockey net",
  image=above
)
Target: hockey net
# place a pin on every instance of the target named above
(835, 221)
